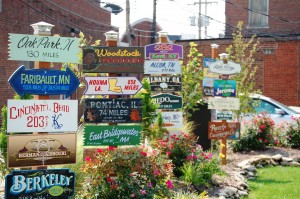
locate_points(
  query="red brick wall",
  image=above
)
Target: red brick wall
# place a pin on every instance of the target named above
(278, 74)
(289, 10)
(18, 15)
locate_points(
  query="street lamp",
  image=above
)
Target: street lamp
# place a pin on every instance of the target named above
(113, 8)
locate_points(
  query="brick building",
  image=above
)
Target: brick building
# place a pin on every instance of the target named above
(278, 55)
(68, 18)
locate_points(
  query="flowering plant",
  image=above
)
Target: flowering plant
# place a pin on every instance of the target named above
(134, 172)
(257, 135)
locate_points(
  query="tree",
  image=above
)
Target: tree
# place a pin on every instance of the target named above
(242, 51)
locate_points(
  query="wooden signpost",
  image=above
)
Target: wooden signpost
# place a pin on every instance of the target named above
(224, 88)
(165, 83)
(163, 51)
(162, 67)
(112, 85)
(223, 130)
(167, 101)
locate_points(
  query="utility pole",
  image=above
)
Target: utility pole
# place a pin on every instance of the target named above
(128, 27)
(153, 23)
(199, 20)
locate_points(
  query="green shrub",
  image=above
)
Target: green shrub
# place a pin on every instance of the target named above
(257, 134)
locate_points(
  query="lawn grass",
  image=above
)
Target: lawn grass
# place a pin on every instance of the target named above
(275, 183)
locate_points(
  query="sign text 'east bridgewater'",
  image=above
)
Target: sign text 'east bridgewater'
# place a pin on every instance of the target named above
(113, 110)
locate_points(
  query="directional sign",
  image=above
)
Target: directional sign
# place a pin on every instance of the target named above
(172, 120)
(167, 101)
(162, 67)
(112, 85)
(230, 103)
(224, 88)
(163, 51)
(222, 130)
(112, 135)
(50, 183)
(43, 81)
(42, 115)
(103, 59)
(29, 150)
(43, 48)
(117, 110)
(224, 68)
(165, 83)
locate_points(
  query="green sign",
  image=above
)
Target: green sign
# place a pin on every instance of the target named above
(112, 135)
(167, 101)
(43, 48)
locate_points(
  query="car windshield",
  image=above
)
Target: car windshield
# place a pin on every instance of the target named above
(270, 106)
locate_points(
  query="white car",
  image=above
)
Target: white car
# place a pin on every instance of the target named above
(277, 111)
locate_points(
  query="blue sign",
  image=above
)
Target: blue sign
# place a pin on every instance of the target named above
(43, 81)
(224, 88)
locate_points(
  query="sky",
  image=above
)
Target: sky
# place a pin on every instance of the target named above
(174, 16)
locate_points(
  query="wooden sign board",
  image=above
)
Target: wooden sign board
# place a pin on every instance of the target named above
(42, 115)
(228, 68)
(50, 183)
(113, 110)
(44, 81)
(41, 150)
(224, 88)
(223, 130)
(162, 67)
(167, 101)
(165, 51)
(172, 120)
(230, 103)
(112, 135)
(165, 83)
(43, 48)
(112, 85)
(103, 59)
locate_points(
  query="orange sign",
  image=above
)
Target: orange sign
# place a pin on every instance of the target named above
(223, 130)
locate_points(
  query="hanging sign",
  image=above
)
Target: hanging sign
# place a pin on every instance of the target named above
(206, 64)
(40, 184)
(222, 130)
(167, 101)
(103, 59)
(224, 68)
(172, 120)
(112, 85)
(224, 115)
(42, 115)
(165, 83)
(112, 135)
(208, 86)
(43, 48)
(163, 51)
(162, 67)
(43, 81)
(224, 88)
(113, 110)
(41, 150)
(230, 103)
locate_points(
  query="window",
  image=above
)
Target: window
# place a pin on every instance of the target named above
(258, 9)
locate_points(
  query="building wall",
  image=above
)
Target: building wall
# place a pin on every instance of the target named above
(279, 11)
(17, 16)
(277, 75)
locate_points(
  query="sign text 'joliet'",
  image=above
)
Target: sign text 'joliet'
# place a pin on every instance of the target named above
(112, 85)
(42, 115)
(103, 59)
(43, 48)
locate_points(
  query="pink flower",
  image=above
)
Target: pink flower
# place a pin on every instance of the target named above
(143, 192)
(168, 153)
(262, 126)
(143, 153)
(133, 195)
(88, 159)
(111, 148)
(266, 141)
(99, 150)
(260, 139)
(259, 131)
(169, 184)
(155, 172)
(149, 184)
(277, 142)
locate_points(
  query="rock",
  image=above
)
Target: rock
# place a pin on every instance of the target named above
(222, 197)
(249, 168)
(250, 174)
(243, 163)
(243, 193)
(285, 159)
(259, 166)
(277, 157)
(296, 159)
(230, 191)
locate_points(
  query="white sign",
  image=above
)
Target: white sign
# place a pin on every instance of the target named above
(43, 48)
(42, 115)
(112, 85)
(162, 67)
(225, 69)
(230, 103)
(172, 120)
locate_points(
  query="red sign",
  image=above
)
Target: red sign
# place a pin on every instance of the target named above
(222, 130)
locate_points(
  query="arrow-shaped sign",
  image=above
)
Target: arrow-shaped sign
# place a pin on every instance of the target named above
(43, 81)
(112, 85)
